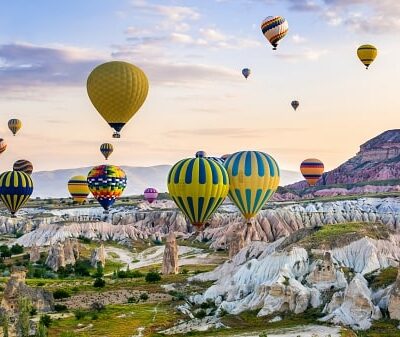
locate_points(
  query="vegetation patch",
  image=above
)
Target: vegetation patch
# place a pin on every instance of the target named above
(382, 279)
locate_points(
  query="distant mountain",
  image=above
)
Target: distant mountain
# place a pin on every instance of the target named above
(54, 183)
(377, 160)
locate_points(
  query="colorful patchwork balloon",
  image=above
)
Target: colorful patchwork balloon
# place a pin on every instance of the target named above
(15, 189)
(106, 182)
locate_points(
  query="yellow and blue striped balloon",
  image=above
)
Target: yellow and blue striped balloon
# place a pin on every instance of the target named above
(253, 178)
(78, 188)
(15, 189)
(198, 186)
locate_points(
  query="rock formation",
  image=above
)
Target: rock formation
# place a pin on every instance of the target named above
(394, 299)
(34, 254)
(235, 242)
(15, 288)
(55, 258)
(170, 259)
(353, 306)
(69, 255)
(98, 255)
(378, 159)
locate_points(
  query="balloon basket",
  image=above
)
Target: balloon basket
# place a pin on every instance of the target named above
(116, 135)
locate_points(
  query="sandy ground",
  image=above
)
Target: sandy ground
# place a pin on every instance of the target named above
(154, 255)
(305, 331)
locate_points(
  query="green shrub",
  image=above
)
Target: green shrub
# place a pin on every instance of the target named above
(200, 314)
(60, 294)
(79, 314)
(45, 320)
(60, 307)
(99, 283)
(144, 296)
(152, 277)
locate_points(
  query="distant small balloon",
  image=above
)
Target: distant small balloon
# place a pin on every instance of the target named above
(367, 54)
(246, 72)
(3, 145)
(23, 166)
(150, 194)
(295, 105)
(312, 170)
(201, 154)
(106, 149)
(14, 125)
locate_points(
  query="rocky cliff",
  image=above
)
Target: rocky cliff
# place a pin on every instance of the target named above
(300, 272)
(377, 159)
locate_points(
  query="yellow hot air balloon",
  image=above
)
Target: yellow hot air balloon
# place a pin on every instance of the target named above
(312, 170)
(198, 187)
(253, 179)
(117, 90)
(367, 54)
(78, 188)
(14, 125)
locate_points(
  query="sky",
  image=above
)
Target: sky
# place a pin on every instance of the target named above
(193, 53)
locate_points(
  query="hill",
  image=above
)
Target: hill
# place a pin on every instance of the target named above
(376, 163)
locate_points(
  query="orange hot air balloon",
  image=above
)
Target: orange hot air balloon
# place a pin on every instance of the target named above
(312, 170)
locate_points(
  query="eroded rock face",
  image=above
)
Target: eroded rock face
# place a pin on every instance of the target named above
(34, 254)
(98, 256)
(354, 306)
(15, 288)
(56, 259)
(235, 242)
(394, 299)
(170, 258)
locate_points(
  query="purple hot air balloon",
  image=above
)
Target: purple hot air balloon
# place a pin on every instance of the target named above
(150, 194)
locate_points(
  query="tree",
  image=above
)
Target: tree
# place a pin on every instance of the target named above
(24, 308)
(99, 283)
(46, 320)
(4, 251)
(42, 329)
(100, 270)
(17, 249)
(152, 277)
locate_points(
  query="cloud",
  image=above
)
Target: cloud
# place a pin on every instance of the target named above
(229, 132)
(306, 54)
(297, 39)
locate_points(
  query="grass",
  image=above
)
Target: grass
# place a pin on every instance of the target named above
(381, 280)
(341, 234)
(382, 328)
(120, 321)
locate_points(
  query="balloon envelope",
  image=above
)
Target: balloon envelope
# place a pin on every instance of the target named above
(367, 54)
(3, 145)
(312, 170)
(253, 178)
(150, 194)
(295, 104)
(198, 186)
(14, 125)
(23, 166)
(106, 149)
(117, 90)
(274, 29)
(106, 182)
(246, 72)
(15, 189)
(78, 188)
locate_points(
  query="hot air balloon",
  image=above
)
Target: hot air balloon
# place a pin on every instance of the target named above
(78, 188)
(14, 125)
(274, 29)
(201, 154)
(106, 182)
(224, 157)
(15, 189)
(217, 159)
(312, 170)
(106, 149)
(198, 186)
(117, 90)
(295, 105)
(367, 54)
(150, 194)
(3, 145)
(246, 72)
(23, 166)
(253, 179)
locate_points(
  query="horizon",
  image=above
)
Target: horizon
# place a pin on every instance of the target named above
(193, 59)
